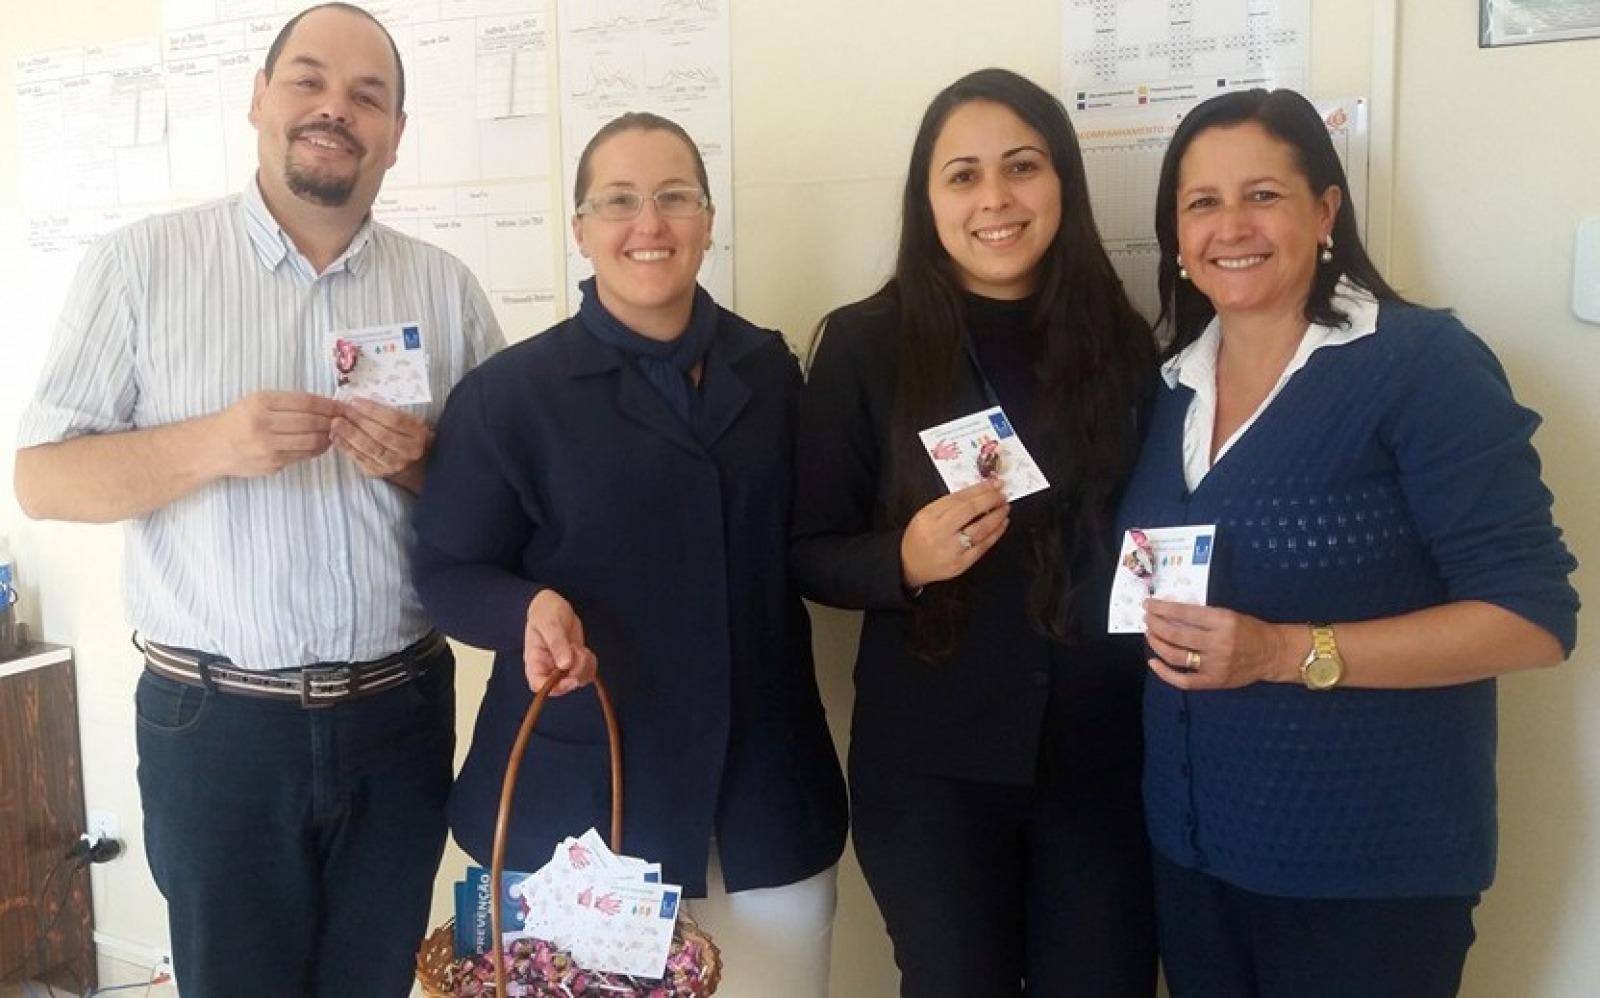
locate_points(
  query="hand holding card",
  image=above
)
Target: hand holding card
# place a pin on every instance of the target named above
(384, 442)
(948, 535)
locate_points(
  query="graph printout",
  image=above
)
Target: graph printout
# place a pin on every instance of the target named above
(665, 56)
(1118, 55)
(111, 133)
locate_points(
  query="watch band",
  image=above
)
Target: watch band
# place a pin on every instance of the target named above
(1323, 644)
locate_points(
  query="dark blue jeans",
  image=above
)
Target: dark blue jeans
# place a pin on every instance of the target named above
(1218, 941)
(296, 848)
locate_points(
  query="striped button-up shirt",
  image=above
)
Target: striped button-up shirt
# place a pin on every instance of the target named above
(183, 314)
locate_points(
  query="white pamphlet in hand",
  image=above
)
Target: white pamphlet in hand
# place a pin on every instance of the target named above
(983, 446)
(384, 363)
(1170, 563)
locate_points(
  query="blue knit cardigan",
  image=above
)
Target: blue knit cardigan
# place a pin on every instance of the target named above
(1392, 473)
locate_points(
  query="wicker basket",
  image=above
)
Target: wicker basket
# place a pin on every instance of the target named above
(437, 955)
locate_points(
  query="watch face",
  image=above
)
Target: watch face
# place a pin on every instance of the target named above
(1323, 673)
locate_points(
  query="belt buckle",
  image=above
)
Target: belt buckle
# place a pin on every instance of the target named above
(326, 674)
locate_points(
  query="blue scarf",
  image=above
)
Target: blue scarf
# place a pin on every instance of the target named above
(666, 364)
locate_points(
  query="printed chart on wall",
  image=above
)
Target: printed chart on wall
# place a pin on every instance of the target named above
(92, 151)
(665, 56)
(1122, 158)
(1118, 55)
(112, 133)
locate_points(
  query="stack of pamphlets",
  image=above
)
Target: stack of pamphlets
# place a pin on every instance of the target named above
(612, 913)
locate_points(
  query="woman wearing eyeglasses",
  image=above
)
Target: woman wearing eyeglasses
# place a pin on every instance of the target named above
(615, 493)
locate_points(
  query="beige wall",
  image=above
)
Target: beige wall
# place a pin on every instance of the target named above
(1497, 159)
(1488, 187)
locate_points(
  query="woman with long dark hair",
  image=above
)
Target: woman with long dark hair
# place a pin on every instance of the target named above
(995, 743)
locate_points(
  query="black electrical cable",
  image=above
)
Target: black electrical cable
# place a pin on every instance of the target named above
(78, 850)
(79, 853)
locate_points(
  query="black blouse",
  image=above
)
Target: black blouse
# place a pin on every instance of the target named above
(1009, 702)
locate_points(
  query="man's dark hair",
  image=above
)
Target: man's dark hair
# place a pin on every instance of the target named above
(288, 29)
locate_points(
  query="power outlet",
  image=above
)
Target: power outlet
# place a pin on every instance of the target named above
(103, 825)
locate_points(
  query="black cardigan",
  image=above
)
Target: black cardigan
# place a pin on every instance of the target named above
(1009, 702)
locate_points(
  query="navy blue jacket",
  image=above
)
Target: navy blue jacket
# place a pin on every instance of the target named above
(1393, 473)
(558, 465)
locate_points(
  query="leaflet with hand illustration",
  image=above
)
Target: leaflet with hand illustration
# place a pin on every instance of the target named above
(983, 446)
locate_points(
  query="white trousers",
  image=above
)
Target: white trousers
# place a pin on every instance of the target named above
(776, 942)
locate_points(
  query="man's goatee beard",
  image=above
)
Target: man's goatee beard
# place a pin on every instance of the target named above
(330, 192)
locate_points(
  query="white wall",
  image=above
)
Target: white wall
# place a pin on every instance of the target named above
(1488, 186)
(70, 574)
(1498, 157)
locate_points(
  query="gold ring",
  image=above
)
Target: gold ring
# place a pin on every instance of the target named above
(1191, 661)
(965, 539)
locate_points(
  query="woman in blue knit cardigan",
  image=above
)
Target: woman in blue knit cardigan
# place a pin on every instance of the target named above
(1320, 738)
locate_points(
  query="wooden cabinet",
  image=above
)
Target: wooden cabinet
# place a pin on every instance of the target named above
(41, 816)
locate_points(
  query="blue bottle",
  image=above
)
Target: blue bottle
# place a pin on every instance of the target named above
(10, 633)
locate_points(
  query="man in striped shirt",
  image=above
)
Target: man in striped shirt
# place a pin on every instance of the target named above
(296, 716)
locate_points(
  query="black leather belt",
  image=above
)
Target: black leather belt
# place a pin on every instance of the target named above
(312, 686)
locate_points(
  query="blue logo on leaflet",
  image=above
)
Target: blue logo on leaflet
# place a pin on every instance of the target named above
(412, 337)
(1202, 549)
(669, 905)
(1002, 427)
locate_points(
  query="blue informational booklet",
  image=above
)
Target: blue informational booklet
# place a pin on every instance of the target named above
(474, 927)
(464, 910)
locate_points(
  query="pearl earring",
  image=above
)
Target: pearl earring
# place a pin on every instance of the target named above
(1183, 273)
(1326, 256)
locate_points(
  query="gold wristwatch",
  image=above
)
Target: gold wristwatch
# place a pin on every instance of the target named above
(1323, 667)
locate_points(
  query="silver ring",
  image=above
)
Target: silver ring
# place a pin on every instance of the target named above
(965, 539)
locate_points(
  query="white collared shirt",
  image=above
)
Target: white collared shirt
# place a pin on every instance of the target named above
(1195, 367)
(180, 315)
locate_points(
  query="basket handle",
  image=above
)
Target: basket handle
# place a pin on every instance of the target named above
(502, 821)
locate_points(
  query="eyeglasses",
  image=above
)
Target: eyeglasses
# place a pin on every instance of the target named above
(671, 202)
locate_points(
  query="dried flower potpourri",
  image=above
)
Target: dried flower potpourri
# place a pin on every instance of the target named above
(536, 969)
